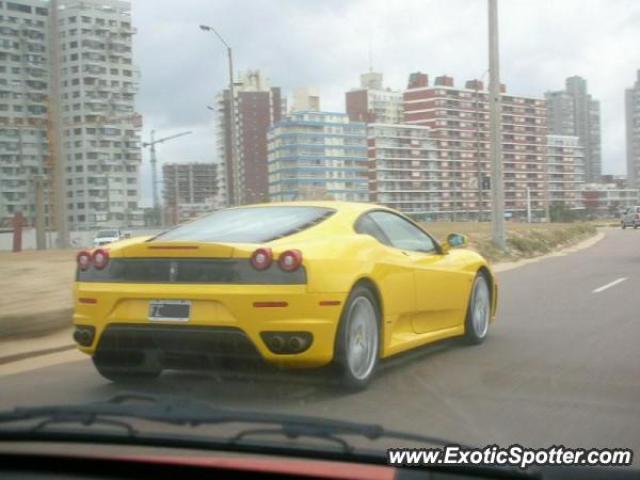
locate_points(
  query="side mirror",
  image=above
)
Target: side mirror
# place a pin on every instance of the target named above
(455, 240)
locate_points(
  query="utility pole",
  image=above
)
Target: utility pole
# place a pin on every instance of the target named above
(54, 133)
(41, 241)
(495, 113)
(232, 113)
(528, 205)
(154, 170)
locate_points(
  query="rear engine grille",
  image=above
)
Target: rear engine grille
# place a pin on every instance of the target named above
(176, 346)
(190, 270)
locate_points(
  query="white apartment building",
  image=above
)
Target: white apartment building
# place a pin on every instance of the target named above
(404, 171)
(100, 132)
(565, 171)
(24, 92)
(318, 155)
(69, 83)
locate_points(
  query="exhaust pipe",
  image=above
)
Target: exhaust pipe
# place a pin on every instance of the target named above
(83, 335)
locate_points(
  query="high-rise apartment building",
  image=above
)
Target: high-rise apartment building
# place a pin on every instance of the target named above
(189, 189)
(459, 122)
(100, 130)
(632, 111)
(372, 103)
(573, 111)
(257, 106)
(68, 102)
(24, 98)
(314, 155)
(404, 173)
(565, 171)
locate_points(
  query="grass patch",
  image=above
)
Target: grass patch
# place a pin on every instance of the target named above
(523, 240)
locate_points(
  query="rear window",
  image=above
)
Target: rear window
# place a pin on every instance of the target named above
(248, 225)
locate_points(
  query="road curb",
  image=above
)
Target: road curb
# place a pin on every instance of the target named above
(35, 353)
(34, 324)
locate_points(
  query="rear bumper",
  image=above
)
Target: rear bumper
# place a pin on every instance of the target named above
(175, 346)
(221, 315)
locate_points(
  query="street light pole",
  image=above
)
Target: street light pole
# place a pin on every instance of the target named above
(497, 186)
(233, 193)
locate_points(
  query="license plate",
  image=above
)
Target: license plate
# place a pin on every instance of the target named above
(170, 310)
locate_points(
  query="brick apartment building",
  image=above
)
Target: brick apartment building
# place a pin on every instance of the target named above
(257, 107)
(458, 118)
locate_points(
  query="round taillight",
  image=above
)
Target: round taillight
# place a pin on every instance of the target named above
(261, 259)
(84, 260)
(100, 258)
(290, 260)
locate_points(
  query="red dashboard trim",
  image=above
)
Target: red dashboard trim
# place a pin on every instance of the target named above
(307, 468)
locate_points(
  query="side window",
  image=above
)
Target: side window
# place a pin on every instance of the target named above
(366, 226)
(403, 234)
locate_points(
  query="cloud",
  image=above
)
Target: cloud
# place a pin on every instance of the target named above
(326, 44)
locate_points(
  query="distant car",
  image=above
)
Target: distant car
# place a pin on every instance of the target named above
(630, 218)
(104, 237)
(290, 284)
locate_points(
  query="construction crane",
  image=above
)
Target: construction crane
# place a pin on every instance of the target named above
(154, 165)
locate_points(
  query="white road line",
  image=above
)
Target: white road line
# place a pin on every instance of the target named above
(609, 285)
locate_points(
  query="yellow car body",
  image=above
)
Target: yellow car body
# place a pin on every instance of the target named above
(423, 297)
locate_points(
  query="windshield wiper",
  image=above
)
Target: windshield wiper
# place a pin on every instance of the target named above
(177, 410)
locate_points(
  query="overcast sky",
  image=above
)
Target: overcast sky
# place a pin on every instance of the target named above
(325, 43)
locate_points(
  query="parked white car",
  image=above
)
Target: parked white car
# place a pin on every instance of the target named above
(103, 237)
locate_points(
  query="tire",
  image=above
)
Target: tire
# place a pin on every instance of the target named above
(635, 227)
(476, 324)
(624, 225)
(358, 340)
(124, 373)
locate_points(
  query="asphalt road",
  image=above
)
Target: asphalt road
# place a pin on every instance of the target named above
(561, 366)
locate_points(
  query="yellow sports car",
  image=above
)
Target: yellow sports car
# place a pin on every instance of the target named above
(297, 284)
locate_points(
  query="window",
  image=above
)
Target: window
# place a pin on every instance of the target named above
(403, 234)
(366, 226)
(16, 7)
(249, 225)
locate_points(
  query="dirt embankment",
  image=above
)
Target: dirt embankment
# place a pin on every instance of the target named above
(523, 240)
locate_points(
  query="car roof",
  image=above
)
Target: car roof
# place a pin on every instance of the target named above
(351, 207)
